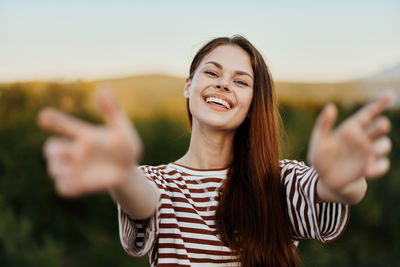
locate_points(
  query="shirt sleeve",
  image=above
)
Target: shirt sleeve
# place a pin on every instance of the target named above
(310, 220)
(138, 237)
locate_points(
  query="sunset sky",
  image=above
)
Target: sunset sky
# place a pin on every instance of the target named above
(301, 40)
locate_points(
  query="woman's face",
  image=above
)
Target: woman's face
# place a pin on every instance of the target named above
(221, 90)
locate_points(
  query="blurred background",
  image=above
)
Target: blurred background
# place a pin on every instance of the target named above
(56, 53)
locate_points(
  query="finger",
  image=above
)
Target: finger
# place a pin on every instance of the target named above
(366, 114)
(57, 147)
(325, 121)
(382, 146)
(58, 167)
(378, 168)
(57, 153)
(61, 170)
(378, 127)
(66, 186)
(53, 120)
(53, 168)
(110, 107)
(70, 184)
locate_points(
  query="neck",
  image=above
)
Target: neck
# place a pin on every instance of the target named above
(209, 149)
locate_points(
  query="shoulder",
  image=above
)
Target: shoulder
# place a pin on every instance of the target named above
(295, 169)
(292, 164)
(161, 172)
(159, 175)
(150, 168)
(158, 170)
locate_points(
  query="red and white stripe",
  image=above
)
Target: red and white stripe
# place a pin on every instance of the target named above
(310, 220)
(183, 232)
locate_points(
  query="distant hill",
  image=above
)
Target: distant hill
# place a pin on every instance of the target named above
(162, 92)
(317, 94)
(145, 96)
(347, 93)
(374, 84)
(148, 95)
(387, 75)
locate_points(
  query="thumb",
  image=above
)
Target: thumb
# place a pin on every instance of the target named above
(110, 106)
(325, 121)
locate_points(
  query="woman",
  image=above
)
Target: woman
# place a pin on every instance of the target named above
(228, 200)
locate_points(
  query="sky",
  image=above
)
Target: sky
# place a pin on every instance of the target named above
(303, 40)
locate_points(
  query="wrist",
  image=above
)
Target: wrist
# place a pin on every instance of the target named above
(351, 193)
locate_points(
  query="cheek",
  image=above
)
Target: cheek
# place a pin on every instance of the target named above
(193, 89)
(247, 98)
(250, 98)
(194, 98)
(195, 93)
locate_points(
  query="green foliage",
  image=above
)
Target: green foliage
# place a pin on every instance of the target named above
(17, 243)
(38, 228)
(165, 140)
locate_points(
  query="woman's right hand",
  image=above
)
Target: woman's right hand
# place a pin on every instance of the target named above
(87, 158)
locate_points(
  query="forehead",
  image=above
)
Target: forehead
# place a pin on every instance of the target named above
(231, 57)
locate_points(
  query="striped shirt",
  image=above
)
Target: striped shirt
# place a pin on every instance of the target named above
(183, 232)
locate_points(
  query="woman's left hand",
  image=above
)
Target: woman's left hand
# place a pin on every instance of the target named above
(357, 148)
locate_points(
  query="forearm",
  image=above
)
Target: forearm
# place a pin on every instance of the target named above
(136, 196)
(351, 194)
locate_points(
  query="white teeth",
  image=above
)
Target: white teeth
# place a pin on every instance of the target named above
(218, 101)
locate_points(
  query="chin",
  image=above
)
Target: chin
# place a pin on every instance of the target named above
(221, 124)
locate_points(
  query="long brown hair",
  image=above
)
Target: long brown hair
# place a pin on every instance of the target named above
(251, 215)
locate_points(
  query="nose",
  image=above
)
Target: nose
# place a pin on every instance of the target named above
(223, 84)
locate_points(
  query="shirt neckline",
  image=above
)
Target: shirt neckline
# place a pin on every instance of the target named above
(190, 170)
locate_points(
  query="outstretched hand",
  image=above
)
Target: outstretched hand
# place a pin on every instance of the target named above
(356, 148)
(87, 158)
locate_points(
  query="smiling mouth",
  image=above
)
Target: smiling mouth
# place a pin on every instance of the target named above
(218, 101)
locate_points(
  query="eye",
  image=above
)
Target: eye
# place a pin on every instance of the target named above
(241, 83)
(211, 73)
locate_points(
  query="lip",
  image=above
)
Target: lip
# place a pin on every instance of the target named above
(220, 97)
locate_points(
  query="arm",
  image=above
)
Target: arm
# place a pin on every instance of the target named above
(353, 152)
(89, 158)
(136, 196)
(309, 219)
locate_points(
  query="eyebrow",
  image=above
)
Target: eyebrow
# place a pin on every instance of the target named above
(239, 72)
